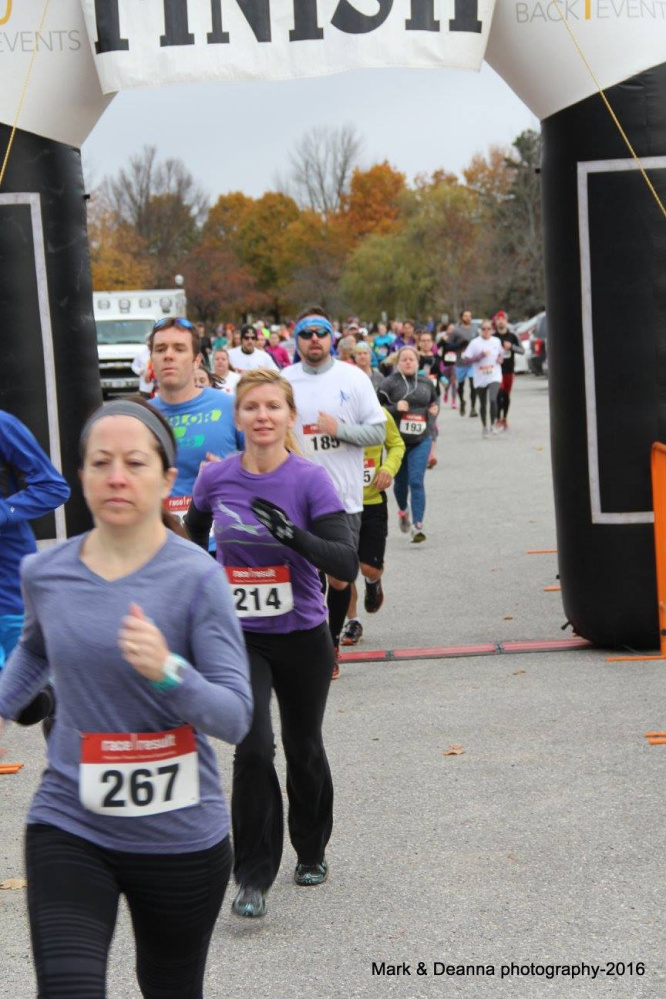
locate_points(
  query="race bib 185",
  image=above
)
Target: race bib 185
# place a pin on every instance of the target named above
(369, 469)
(129, 774)
(317, 443)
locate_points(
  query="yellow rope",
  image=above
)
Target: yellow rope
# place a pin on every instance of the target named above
(8, 12)
(24, 91)
(610, 110)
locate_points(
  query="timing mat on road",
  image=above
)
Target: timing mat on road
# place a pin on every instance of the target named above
(460, 651)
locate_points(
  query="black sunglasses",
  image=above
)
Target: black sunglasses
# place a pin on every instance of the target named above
(174, 321)
(308, 334)
(248, 336)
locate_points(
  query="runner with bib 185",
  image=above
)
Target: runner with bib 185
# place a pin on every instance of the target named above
(411, 399)
(277, 519)
(137, 627)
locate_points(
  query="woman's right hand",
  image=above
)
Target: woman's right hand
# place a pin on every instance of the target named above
(402, 406)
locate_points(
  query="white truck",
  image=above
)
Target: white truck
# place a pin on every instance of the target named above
(124, 320)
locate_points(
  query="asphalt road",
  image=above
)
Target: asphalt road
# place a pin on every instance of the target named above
(540, 845)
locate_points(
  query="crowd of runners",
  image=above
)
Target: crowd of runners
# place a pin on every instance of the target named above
(274, 455)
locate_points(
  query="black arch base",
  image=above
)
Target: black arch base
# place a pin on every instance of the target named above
(64, 311)
(607, 570)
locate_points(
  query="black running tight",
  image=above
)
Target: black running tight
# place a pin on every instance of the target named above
(297, 666)
(472, 392)
(73, 892)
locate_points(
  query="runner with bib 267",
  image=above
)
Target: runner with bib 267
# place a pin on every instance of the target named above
(137, 628)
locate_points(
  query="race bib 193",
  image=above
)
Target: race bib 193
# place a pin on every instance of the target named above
(413, 423)
(130, 774)
(263, 592)
(317, 443)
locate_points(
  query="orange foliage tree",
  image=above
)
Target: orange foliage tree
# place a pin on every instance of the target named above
(119, 257)
(373, 202)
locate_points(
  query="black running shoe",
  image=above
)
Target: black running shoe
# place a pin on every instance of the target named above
(306, 875)
(249, 902)
(374, 597)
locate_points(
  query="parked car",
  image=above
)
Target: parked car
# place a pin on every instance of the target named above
(523, 331)
(538, 360)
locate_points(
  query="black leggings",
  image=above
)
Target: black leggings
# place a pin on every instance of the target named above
(472, 391)
(488, 391)
(73, 892)
(298, 667)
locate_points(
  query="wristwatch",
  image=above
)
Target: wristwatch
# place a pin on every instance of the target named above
(174, 670)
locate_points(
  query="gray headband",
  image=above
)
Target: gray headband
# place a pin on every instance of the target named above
(124, 407)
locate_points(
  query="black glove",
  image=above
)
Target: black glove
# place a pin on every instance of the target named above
(274, 520)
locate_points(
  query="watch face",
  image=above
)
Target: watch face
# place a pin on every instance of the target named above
(173, 668)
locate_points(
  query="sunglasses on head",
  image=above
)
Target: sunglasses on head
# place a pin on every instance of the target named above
(308, 334)
(172, 321)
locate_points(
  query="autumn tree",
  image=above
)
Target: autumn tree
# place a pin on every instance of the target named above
(507, 183)
(162, 204)
(315, 250)
(225, 220)
(444, 223)
(489, 178)
(372, 204)
(119, 258)
(519, 225)
(263, 245)
(218, 285)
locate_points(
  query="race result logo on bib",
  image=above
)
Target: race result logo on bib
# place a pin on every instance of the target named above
(132, 774)
(317, 442)
(413, 424)
(261, 592)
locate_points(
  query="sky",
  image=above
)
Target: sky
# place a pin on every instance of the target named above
(237, 137)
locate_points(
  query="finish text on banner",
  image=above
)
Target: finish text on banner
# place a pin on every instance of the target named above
(139, 44)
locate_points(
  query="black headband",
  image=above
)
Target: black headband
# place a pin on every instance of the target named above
(124, 407)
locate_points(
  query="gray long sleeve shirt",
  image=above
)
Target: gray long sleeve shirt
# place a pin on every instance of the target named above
(71, 633)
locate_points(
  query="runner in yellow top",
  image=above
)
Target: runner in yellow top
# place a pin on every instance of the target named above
(380, 465)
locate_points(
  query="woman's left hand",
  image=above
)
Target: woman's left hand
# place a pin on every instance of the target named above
(142, 644)
(433, 409)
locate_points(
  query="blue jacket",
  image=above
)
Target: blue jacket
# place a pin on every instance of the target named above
(29, 487)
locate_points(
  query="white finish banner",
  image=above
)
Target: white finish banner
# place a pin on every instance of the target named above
(140, 43)
(531, 48)
(64, 98)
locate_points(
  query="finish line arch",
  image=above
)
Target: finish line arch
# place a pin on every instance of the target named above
(604, 231)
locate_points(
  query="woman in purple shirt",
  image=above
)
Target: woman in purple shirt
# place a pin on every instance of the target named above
(277, 520)
(138, 629)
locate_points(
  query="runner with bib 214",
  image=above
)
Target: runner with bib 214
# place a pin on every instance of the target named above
(277, 519)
